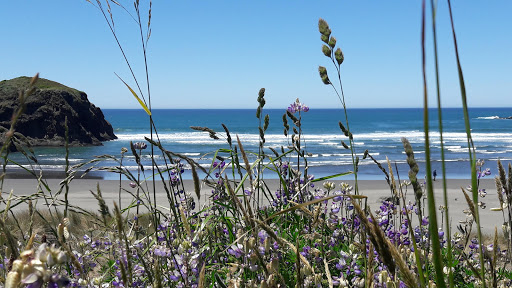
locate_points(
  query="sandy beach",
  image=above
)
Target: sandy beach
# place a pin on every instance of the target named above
(375, 190)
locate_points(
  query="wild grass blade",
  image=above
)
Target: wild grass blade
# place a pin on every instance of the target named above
(449, 255)
(432, 209)
(66, 191)
(142, 104)
(388, 252)
(332, 176)
(471, 147)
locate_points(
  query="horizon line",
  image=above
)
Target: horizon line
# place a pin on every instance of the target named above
(315, 108)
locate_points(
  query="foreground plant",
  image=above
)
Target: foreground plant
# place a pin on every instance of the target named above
(245, 234)
(38, 268)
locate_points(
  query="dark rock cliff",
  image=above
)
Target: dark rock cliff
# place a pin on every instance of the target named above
(46, 110)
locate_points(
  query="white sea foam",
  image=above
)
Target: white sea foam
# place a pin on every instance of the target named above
(325, 139)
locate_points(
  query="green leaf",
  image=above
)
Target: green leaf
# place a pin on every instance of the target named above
(136, 97)
(332, 176)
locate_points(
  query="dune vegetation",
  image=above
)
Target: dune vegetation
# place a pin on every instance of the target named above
(309, 232)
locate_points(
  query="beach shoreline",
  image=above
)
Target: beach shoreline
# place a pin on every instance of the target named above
(376, 190)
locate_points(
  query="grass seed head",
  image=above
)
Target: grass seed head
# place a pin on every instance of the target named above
(324, 29)
(339, 56)
(332, 42)
(323, 75)
(326, 50)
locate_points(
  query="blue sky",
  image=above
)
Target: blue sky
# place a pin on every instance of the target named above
(218, 54)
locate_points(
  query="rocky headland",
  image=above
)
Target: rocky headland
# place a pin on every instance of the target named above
(43, 122)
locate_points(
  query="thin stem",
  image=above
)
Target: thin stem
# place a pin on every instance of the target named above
(443, 165)
(149, 104)
(434, 236)
(351, 140)
(122, 51)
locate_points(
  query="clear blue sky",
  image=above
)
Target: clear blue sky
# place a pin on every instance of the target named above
(218, 54)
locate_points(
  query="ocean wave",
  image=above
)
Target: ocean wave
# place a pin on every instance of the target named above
(488, 117)
(62, 159)
(457, 150)
(323, 139)
(490, 152)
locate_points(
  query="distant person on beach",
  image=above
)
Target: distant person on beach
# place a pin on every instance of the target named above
(434, 174)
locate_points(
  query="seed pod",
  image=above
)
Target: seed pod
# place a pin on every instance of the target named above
(323, 74)
(261, 94)
(324, 38)
(60, 232)
(322, 70)
(323, 27)
(326, 80)
(227, 133)
(267, 121)
(343, 129)
(266, 244)
(294, 119)
(339, 56)
(326, 50)
(332, 42)
(66, 233)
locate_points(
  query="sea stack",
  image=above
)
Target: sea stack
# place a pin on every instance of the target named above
(43, 123)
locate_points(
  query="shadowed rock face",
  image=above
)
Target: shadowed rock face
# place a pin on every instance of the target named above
(46, 110)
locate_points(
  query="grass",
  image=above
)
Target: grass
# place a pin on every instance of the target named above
(23, 82)
(248, 234)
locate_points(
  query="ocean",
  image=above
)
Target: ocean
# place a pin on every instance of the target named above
(377, 130)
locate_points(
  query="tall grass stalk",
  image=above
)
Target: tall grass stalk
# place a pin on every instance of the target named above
(66, 145)
(434, 236)
(337, 58)
(144, 41)
(449, 254)
(471, 146)
(145, 35)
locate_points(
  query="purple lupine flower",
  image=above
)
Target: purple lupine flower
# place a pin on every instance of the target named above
(174, 278)
(335, 208)
(140, 145)
(236, 250)
(262, 235)
(297, 107)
